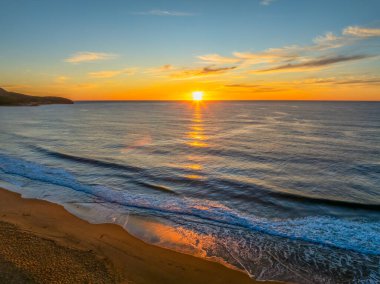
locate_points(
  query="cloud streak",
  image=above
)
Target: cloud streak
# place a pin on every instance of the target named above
(161, 69)
(199, 72)
(111, 73)
(87, 56)
(254, 88)
(217, 59)
(361, 32)
(266, 2)
(266, 87)
(164, 13)
(276, 55)
(61, 79)
(313, 64)
(343, 81)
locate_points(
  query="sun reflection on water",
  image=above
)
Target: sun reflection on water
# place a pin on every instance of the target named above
(194, 166)
(196, 138)
(196, 133)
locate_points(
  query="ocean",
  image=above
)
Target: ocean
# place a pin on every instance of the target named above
(285, 191)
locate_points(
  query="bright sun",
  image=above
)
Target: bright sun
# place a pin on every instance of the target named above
(197, 96)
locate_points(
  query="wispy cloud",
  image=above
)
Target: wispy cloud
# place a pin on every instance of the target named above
(160, 69)
(361, 32)
(61, 79)
(270, 55)
(86, 86)
(354, 80)
(281, 54)
(164, 13)
(360, 82)
(198, 72)
(313, 63)
(275, 55)
(266, 2)
(256, 88)
(217, 59)
(328, 41)
(294, 58)
(291, 58)
(87, 56)
(280, 86)
(111, 73)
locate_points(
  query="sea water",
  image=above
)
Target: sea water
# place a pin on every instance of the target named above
(284, 191)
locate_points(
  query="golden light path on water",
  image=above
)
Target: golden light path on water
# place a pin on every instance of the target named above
(197, 138)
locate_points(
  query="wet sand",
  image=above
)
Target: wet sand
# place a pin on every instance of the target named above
(40, 242)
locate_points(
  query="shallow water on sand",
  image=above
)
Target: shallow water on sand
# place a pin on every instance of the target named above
(282, 190)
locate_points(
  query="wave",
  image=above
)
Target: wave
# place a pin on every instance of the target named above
(155, 186)
(260, 191)
(324, 201)
(85, 160)
(126, 170)
(361, 236)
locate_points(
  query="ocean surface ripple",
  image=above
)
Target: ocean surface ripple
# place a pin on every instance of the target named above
(285, 191)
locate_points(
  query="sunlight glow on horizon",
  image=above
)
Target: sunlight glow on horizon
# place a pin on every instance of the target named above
(197, 96)
(154, 59)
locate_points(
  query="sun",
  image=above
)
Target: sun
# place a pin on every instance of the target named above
(197, 96)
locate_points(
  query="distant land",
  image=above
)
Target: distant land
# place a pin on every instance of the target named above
(16, 99)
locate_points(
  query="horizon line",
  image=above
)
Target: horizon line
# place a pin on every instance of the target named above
(258, 100)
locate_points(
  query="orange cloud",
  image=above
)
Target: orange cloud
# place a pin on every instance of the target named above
(255, 88)
(161, 69)
(204, 71)
(61, 79)
(352, 80)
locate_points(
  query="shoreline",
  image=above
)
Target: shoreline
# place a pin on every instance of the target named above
(117, 256)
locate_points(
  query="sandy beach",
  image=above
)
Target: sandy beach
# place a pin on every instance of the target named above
(41, 242)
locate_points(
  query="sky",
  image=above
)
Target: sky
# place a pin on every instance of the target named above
(165, 50)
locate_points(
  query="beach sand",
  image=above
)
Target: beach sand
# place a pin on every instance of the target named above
(41, 242)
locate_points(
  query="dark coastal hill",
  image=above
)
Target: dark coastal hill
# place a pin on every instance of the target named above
(16, 99)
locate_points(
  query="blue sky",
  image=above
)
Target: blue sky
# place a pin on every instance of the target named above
(38, 36)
